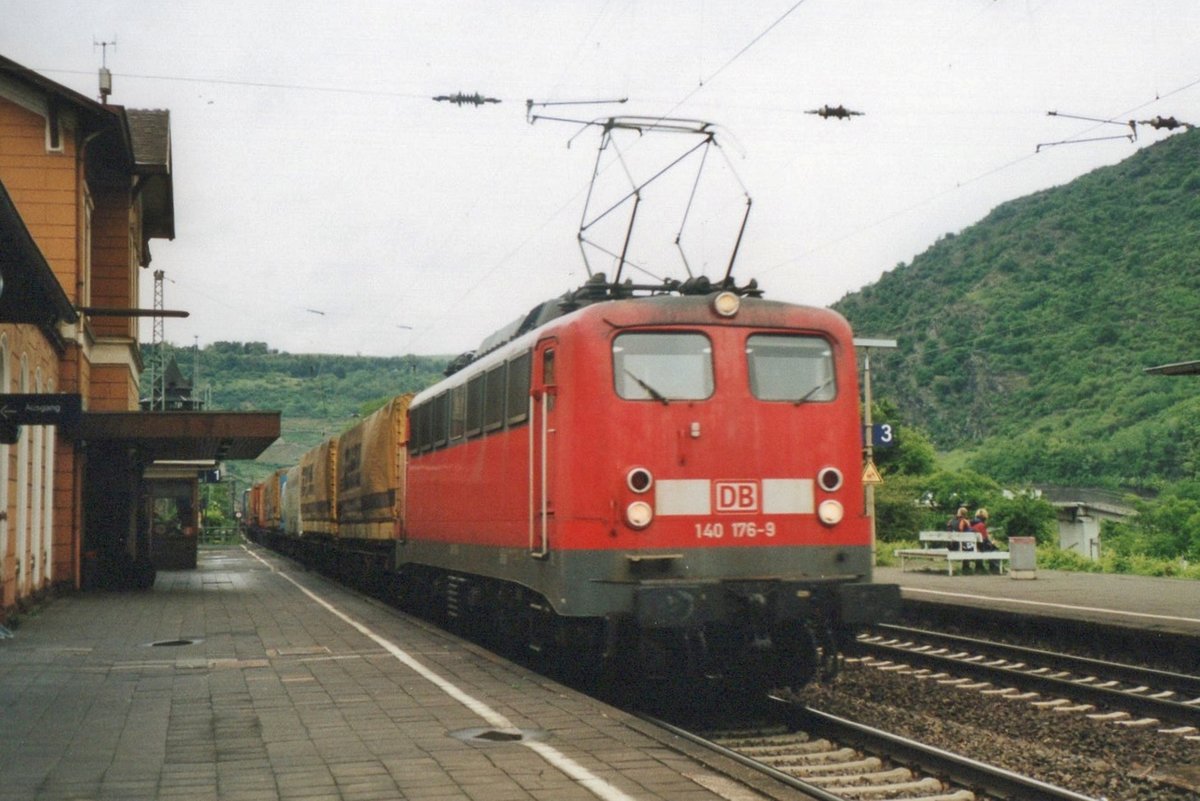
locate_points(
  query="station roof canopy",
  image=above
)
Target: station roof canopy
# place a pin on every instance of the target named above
(183, 435)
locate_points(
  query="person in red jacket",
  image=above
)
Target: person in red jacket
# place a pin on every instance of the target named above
(979, 526)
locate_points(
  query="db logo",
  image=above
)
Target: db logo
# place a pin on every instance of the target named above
(736, 496)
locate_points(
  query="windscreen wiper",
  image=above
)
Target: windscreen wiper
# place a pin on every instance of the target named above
(651, 391)
(807, 395)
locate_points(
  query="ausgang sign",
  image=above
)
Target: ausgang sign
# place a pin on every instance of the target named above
(41, 409)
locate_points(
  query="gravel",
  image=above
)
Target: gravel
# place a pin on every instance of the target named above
(1095, 758)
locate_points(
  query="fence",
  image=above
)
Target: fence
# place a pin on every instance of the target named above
(220, 535)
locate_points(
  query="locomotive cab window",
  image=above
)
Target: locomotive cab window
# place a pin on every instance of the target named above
(663, 366)
(548, 376)
(790, 368)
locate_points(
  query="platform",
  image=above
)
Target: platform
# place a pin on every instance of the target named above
(1155, 604)
(248, 679)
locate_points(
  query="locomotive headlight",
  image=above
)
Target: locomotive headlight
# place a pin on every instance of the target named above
(726, 304)
(638, 514)
(830, 512)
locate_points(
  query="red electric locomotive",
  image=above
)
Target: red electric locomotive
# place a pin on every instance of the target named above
(668, 476)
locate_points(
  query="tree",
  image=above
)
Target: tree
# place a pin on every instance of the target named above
(947, 490)
(912, 454)
(899, 512)
(1025, 516)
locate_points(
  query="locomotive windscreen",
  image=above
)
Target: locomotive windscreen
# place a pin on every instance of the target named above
(790, 368)
(663, 366)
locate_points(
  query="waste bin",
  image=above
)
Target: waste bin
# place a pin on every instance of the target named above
(1022, 557)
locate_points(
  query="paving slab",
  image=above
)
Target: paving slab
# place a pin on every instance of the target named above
(1169, 605)
(249, 679)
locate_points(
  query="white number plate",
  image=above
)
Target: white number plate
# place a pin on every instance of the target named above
(736, 530)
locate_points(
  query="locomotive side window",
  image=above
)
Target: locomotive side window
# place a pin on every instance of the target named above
(493, 398)
(518, 389)
(475, 406)
(790, 368)
(458, 413)
(440, 424)
(663, 366)
(420, 425)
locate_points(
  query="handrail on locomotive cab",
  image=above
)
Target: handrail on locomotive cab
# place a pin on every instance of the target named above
(540, 479)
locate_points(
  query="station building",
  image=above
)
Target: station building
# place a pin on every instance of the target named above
(85, 187)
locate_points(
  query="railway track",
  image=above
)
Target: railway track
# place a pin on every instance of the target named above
(1123, 693)
(833, 759)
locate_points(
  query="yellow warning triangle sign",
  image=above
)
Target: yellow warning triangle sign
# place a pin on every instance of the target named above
(871, 474)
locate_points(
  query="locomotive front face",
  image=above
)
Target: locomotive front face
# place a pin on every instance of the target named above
(703, 481)
(735, 434)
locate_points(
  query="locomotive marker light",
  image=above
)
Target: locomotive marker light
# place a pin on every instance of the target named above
(639, 479)
(830, 479)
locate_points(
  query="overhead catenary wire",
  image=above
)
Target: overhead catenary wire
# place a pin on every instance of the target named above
(604, 29)
(887, 218)
(546, 222)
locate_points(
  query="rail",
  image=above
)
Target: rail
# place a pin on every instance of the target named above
(1030, 668)
(962, 771)
(995, 781)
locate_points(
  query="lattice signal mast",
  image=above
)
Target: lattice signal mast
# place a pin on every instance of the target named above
(158, 355)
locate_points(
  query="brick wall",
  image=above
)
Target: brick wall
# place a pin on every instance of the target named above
(112, 389)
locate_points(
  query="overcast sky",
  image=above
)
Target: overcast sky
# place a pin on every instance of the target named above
(325, 203)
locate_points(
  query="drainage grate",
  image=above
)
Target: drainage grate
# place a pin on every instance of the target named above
(171, 643)
(498, 735)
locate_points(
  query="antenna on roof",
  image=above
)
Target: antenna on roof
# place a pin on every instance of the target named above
(105, 75)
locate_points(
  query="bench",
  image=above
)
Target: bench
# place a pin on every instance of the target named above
(951, 546)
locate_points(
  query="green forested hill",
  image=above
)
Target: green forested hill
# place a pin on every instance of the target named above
(1023, 338)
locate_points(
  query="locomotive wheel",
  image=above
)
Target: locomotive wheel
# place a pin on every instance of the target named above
(789, 657)
(579, 650)
(795, 657)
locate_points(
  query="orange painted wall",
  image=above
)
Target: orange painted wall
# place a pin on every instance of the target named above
(17, 341)
(48, 191)
(45, 187)
(51, 195)
(112, 279)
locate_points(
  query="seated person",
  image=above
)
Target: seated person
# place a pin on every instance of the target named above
(979, 526)
(958, 523)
